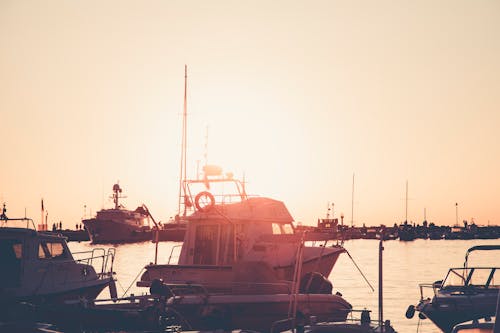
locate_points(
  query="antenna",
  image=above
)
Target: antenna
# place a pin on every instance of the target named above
(352, 202)
(42, 223)
(183, 145)
(205, 154)
(406, 206)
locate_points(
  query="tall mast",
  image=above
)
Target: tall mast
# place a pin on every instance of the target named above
(183, 146)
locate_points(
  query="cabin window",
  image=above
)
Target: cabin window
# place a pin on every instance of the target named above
(18, 250)
(287, 229)
(51, 250)
(226, 249)
(11, 253)
(279, 229)
(205, 248)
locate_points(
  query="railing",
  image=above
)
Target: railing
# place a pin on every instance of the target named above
(471, 276)
(425, 286)
(172, 252)
(22, 223)
(459, 279)
(100, 259)
(294, 325)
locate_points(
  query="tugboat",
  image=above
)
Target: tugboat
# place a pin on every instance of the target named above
(119, 225)
(466, 293)
(39, 268)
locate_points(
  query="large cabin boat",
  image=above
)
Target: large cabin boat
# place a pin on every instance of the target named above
(228, 231)
(38, 267)
(119, 225)
(242, 254)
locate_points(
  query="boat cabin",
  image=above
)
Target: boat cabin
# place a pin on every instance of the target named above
(39, 265)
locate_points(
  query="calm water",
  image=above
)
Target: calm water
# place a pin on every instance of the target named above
(406, 264)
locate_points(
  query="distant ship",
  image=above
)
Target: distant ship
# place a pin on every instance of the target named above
(119, 225)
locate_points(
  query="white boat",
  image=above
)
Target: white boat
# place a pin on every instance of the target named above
(241, 264)
(38, 267)
(466, 293)
(119, 225)
(229, 230)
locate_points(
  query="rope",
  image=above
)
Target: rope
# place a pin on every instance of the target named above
(123, 289)
(364, 277)
(133, 281)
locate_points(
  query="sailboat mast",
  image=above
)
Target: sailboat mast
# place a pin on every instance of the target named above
(183, 146)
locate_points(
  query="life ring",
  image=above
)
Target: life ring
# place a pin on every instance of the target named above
(204, 201)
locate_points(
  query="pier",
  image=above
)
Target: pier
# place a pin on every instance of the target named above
(331, 229)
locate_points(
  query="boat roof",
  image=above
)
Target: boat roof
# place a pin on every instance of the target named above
(480, 248)
(258, 209)
(17, 231)
(26, 232)
(17, 223)
(483, 248)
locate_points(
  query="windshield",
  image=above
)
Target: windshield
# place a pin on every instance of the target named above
(483, 276)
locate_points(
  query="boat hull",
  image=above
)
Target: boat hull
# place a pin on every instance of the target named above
(229, 278)
(109, 231)
(12, 308)
(256, 312)
(447, 312)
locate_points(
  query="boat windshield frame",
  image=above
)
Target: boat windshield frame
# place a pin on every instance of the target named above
(466, 276)
(479, 248)
(29, 223)
(220, 198)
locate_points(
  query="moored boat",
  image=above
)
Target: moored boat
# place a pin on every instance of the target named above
(119, 225)
(39, 268)
(466, 293)
(226, 228)
(231, 228)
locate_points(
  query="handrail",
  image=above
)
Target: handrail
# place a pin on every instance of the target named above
(429, 286)
(105, 257)
(466, 274)
(4, 221)
(172, 252)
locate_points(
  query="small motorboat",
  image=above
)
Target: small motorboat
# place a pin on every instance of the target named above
(465, 294)
(39, 268)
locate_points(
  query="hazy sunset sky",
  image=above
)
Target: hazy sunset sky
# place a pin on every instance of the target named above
(297, 95)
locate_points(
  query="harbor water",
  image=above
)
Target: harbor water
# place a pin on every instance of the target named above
(405, 265)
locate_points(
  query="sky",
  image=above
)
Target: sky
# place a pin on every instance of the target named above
(299, 97)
